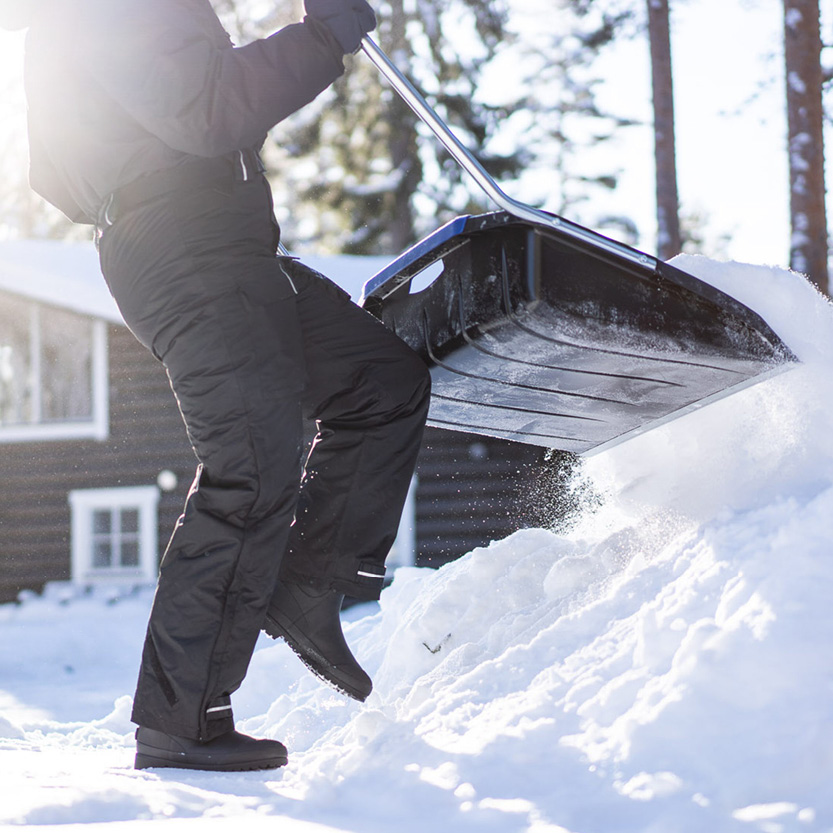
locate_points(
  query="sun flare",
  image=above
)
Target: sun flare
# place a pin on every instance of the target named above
(12, 104)
(11, 53)
(11, 66)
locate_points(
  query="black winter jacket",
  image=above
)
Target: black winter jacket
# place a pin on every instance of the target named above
(121, 88)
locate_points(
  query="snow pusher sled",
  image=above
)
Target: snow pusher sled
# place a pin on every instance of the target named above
(544, 332)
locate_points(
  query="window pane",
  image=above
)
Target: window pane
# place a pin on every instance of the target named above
(15, 362)
(129, 552)
(102, 521)
(102, 553)
(130, 520)
(66, 366)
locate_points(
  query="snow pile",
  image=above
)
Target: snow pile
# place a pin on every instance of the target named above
(664, 666)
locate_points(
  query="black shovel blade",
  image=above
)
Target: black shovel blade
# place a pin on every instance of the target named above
(545, 338)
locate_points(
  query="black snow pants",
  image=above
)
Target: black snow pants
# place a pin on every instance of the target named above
(250, 342)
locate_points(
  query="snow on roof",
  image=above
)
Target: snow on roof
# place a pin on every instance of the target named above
(62, 274)
(67, 275)
(350, 272)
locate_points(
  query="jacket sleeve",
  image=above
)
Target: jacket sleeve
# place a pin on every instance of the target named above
(192, 89)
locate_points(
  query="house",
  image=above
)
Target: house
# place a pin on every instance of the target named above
(94, 460)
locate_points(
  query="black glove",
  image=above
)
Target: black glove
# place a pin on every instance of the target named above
(348, 20)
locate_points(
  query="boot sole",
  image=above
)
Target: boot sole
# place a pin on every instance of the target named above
(311, 659)
(145, 761)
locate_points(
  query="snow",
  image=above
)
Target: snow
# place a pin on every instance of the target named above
(793, 18)
(796, 83)
(68, 275)
(664, 665)
(58, 273)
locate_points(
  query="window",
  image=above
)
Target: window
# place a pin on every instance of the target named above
(53, 373)
(114, 534)
(115, 539)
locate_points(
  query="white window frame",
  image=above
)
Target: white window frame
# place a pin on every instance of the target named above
(98, 426)
(83, 503)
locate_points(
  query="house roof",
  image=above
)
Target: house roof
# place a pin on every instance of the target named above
(61, 274)
(67, 275)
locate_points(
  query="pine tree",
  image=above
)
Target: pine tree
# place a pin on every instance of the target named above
(358, 171)
(669, 238)
(563, 123)
(804, 78)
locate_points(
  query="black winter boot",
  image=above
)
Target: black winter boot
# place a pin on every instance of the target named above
(231, 752)
(309, 620)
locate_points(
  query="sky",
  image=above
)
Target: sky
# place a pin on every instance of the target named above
(731, 155)
(730, 125)
(732, 149)
(731, 131)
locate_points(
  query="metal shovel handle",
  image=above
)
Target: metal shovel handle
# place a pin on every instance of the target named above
(453, 145)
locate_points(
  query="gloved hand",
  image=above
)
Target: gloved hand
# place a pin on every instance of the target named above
(348, 20)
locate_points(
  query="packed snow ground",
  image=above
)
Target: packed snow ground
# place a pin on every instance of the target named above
(667, 665)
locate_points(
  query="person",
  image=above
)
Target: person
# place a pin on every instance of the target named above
(146, 121)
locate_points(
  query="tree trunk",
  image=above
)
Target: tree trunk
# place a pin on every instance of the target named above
(802, 59)
(669, 242)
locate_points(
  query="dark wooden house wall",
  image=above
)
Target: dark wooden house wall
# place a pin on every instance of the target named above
(472, 489)
(146, 436)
